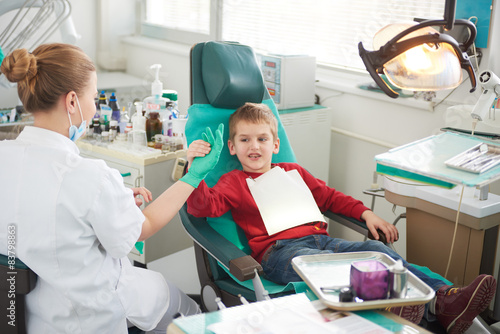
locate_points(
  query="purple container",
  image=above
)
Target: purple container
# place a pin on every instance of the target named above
(370, 279)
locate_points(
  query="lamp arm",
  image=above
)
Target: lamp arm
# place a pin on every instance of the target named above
(430, 23)
(491, 90)
(449, 13)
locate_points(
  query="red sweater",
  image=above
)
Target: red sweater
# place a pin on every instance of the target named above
(231, 193)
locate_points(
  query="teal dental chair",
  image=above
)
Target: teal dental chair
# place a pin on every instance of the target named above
(225, 75)
(16, 281)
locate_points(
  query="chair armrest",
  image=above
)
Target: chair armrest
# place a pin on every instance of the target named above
(239, 264)
(355, 225)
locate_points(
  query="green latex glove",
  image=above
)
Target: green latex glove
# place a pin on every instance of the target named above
(203, 165)
(139, 245)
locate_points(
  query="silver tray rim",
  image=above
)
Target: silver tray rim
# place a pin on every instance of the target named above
(427, 292)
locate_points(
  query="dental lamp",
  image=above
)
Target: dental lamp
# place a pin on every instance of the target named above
(420, 58)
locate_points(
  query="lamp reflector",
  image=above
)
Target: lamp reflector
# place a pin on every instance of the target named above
(425, 67)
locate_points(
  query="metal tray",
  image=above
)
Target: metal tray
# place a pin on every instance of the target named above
(477, 159)
(327, 270)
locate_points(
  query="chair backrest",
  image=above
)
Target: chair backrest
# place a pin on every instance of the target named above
(16, 281)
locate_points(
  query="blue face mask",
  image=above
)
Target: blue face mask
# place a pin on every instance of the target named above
(74, 132)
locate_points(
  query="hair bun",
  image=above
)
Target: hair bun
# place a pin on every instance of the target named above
(19, 65)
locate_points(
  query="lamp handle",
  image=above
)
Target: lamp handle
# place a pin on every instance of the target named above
(373, 72)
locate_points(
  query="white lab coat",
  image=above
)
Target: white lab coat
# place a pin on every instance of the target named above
(75, 223)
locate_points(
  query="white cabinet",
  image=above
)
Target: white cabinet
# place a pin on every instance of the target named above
(154, 173)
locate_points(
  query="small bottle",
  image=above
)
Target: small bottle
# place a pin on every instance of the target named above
(115, 109)
(172, 96)
(96, 126)
(138, 119)
(153, 126)
(398, 280)
(166, 120)
(105, 137)
(102, 100)
(104, 123)
(166, 144)
(179, 142)
(158, 141)
(113, 129)
(124, 119)
(128, 128)
(120, 139)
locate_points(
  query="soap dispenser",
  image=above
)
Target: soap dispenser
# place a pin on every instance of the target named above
(156, 102)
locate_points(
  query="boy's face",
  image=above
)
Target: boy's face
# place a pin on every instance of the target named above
(254, 146)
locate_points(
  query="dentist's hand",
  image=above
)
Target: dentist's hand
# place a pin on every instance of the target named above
(201, 166)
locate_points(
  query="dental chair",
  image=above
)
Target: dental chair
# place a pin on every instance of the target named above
(225, 75)
(16, 281)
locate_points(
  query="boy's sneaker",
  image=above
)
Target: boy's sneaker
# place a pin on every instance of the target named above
(456, 308)
(412, 313)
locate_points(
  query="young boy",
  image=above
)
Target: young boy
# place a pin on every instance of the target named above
(253, 139)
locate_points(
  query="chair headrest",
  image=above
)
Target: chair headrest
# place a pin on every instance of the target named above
(231, 75)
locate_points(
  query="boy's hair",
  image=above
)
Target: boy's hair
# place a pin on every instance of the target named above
(253, 113)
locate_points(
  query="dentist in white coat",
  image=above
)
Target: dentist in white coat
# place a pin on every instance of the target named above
(72, 219)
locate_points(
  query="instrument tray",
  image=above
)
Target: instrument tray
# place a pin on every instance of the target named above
(325, 273)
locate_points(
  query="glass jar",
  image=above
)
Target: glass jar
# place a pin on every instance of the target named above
(153, 126)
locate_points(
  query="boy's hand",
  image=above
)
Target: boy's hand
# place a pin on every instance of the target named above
(374, 222)
(198, 148)
(201, 166)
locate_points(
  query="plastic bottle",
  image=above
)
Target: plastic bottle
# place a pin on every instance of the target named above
(138, 120)
(166, 119)
(172, 96)
(102, 100)
(97, 108)
(124, 119)
(156, 102)
(115, 109)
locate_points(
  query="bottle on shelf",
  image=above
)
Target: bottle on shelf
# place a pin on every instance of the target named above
(156, 102)
(153, 127)
(124, 119)
(138, 119)
(115, 109)
(113, 129)
(96, 126)
(172, 96)
(102, 100)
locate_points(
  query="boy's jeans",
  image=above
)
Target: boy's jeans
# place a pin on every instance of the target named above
(277, 261)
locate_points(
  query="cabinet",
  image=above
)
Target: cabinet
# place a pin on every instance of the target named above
(308, 130)
(431, 213)
(154, 173)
